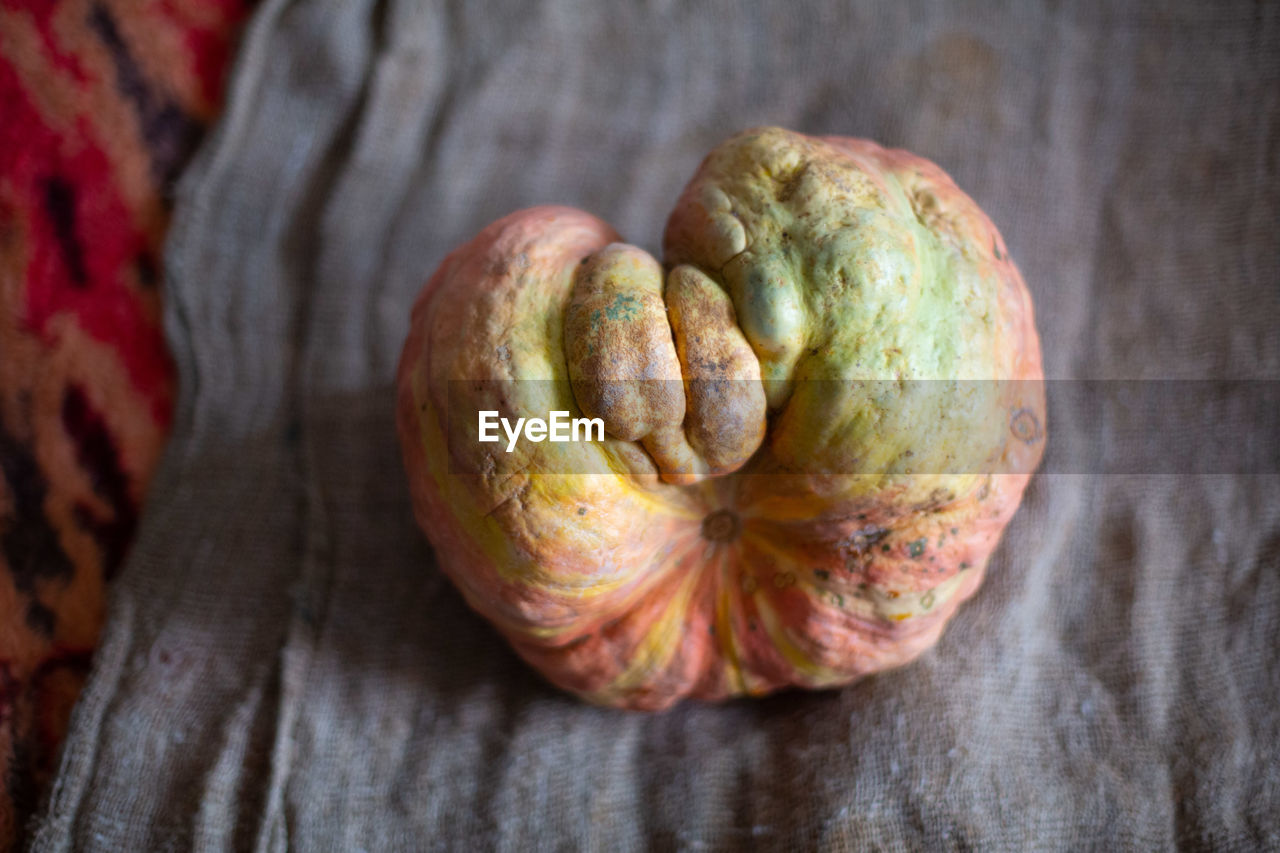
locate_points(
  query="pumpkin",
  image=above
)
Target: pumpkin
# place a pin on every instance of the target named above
(819, 413)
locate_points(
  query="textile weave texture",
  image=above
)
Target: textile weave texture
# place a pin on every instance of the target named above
(283, 664)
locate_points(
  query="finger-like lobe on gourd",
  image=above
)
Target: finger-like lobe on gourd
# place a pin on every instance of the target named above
(772, 313)
(725, 398)
(617, 342)
(621, 358)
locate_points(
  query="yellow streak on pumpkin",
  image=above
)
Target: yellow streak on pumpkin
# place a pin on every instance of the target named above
(725, 634)
(659, 645)
(493, 540)
(817, 674)
(778, 634)
(910, 604)
(488, 533)
(663, 565)
(662, 498)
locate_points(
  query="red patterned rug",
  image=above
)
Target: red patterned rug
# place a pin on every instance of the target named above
(101, 105)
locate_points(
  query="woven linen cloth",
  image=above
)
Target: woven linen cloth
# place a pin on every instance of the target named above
(284, 666)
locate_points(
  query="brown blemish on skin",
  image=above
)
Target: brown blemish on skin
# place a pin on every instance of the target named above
(864, 539)
(1025, 426)
(857, 547)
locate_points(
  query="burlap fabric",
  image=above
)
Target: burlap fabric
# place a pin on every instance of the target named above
(284, 666)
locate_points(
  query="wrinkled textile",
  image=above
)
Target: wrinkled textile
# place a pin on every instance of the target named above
(283, 665)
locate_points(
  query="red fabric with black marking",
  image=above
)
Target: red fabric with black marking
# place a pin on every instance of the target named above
(101, 103)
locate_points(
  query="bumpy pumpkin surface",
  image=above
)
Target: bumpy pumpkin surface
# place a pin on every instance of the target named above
(821, 410)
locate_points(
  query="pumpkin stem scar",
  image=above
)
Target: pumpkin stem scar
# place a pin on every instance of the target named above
(722, 525)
